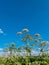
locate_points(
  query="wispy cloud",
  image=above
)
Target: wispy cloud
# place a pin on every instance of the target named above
(1, 31)
(1, 49)
(33, 53)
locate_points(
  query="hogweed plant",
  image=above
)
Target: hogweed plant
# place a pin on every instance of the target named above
(15, 55)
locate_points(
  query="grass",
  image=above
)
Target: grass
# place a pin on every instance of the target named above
(25, 60)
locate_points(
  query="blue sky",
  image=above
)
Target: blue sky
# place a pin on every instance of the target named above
(18, 14)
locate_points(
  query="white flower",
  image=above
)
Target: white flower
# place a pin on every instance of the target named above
(36, 40)
(25, 30)
(45, 42)
(37, 35)
(19, 33)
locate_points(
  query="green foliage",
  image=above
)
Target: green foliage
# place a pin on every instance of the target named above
(26, 59)
(34, 60)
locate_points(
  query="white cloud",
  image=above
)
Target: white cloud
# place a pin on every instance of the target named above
(1, 31)
(1, 49)
(33, 53)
